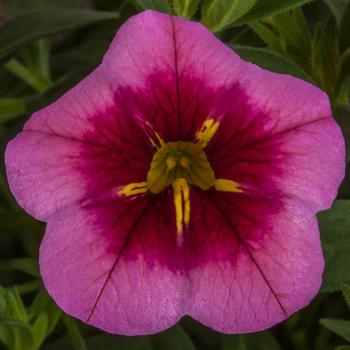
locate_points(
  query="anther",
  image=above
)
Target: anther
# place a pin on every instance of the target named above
(185, 162)
(170, 163)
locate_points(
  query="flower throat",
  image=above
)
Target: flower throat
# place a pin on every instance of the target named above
(181, 164)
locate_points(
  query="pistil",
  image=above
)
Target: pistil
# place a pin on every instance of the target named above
(182, 205)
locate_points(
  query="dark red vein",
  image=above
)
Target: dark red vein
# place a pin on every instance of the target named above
(176, 79)
(117, 259)
(242, 242)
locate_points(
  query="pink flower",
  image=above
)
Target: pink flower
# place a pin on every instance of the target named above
(177, 179)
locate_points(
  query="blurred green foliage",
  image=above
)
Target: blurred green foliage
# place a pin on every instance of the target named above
(46, 46)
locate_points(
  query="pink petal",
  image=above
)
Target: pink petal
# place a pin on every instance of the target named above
(69, 115)
(40, 171)
(289, 105)
(300, 120)
(259, 269)
(159, 55)
(286, 143)
(153, 42)
(316, 163)
(106, 270)
(41, 161)
(85, 131)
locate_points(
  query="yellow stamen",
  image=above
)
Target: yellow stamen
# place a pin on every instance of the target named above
(153, 143)
(159, 139)
(132, 189)
(182, 204)
(227, 185)
(171, 163)
(185, 162)
(206, 132)
(153, 136)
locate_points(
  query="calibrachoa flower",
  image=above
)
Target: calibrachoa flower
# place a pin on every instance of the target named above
(178, 179)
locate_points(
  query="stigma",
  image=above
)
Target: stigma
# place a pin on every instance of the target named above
(182, 205)
(178, 166)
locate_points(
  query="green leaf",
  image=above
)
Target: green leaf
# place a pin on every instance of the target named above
(257, 341)
(17, 7)
(61, 85)
(37, 24)
(105, 342)
(342, 116)
(295, 36)
(343, 93)
(27, 265)
(42, 59)
(342, 347)
(204, 337)
(28, 76)
(16, 335)
(40, 329)
(288, 34)
(325, 59)
(74, 333)
(344, 37)
(11, 222)
(159, 5)
(11, 108)
(345, 64)
(15, 308)
(186, 8)
(218, 14)
(109, 342)
(29, 287)
(269, 36)
(345, 288)
(172, 339)
(53, 314)
(272, 61)
(339, 327)
(3, 301)
(43, 303)
(334, 227)
(265, 8)
(337, 7)
(39, 304)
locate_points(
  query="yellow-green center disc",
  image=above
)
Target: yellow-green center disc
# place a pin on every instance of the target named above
(180, 160)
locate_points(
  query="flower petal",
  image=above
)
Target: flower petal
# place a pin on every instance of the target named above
(258, 270)
(152, 41)
(173, 60)
(315, 166)
(300, 118)
(69, 116)
(282, 139)
(41, 174)
(194, 65)
(83, 136)
(40, 161)
(102, 266)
